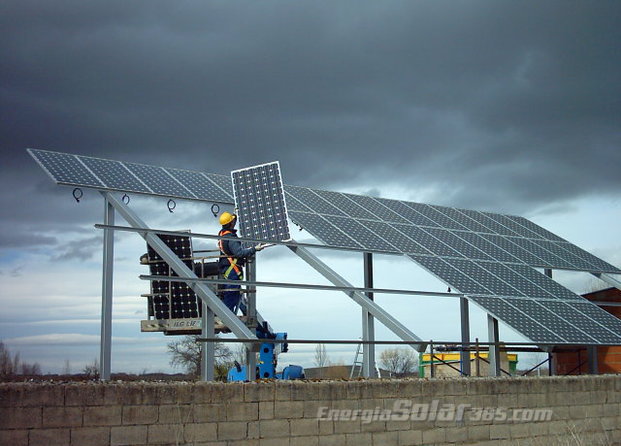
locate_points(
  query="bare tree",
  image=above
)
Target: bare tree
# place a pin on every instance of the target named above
(66, 368)
(186, 353)
(91, 370)
(10, 364)
(399, 361)
(321, 356)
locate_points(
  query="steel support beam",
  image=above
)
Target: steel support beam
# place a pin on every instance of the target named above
(208, 350)
(251, 312)
(593, 360)
(464, 354)
(609, 279)
(494, 348)
(548, 272)
(202, 291)
(368, 322)
(375, 310)
(105, 340)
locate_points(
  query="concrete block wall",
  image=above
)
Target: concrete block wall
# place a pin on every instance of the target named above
(585, 410)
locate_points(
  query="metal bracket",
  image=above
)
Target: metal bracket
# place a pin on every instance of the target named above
(609, 279)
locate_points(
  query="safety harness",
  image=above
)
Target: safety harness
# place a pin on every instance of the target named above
(232, 261)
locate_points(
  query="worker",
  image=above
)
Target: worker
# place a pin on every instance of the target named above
(232, 259)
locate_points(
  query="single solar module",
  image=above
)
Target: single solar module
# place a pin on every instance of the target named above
(260, 202)
(65, 168)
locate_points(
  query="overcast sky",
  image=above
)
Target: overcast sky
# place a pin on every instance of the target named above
(508, 106)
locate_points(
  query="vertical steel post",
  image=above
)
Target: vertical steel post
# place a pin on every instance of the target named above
(105, 348)
(209, 348)
(251, 313)
(494, 347)
(464, 354)
(368, 322)
(548, 272)
(593, 360)
(551, 359)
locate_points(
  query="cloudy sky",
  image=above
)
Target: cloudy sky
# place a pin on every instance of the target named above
(495, 105)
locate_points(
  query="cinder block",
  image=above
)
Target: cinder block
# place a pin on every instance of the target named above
(91, 436)
(254, 430)
(359, 439)
(578, 412)
(398, 425)
(232, 430)
(434, 435)
(345, 404)
(84, 395)
(499, 432)
(20, 417)
(373, 426)
(166, 394)
(232, 392)
(332, 440)
(410, 438)
(102, 416)
(282, 390)
(266, 410)
(200, 432)
(338, 390)
(165, 433)
(14, 437)
(50, 437)
(31, 395)
(311, 408)
(478, 433)
(125, 394)
(274, 428)
(274, 442)
(204, 393)
(302, 427)
(62, 416)
(128, 435)
(520, 430)
(242, 411)
(347, 427)
(204, 413)
(175, 414)
(248, 442)
(289, 409)
(326, 427)
(385, 437)
(305, 441)
(139, 414)
(255, 392)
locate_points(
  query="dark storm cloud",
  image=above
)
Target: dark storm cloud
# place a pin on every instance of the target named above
(499, 105)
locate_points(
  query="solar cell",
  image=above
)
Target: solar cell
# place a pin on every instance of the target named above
(114, 174)
(293, 204)
(198, 184)
(524, 286)
(513, 249)
(486, 224)
(313, 201)
(396, 236)
(432, 244)
(376, 208)
(65, 168)
(347, 206)
(552, 321)
(553, 288)
(356, 230)
(158, 180)
(415, 218)
(516, 319)
(598, 315)
(433, 214)
(461, 218)
(577, 262)
(464, 248)
(451, 276)
(484, 278)
(588, 257)
(549, 259)
(579, 319)
(488, 247)
(223, 182)
(543, 233)
(514, 226)
(323, 230)
(489, 220)
(260, 202)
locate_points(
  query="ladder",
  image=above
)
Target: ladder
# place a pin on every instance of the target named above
(357, 363)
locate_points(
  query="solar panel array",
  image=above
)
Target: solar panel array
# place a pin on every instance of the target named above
(260, 202)
(78, 170)
(486, 256)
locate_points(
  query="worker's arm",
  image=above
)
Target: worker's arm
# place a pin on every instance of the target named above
(236, 250)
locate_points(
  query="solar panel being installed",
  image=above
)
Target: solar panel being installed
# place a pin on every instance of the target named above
(260, 202)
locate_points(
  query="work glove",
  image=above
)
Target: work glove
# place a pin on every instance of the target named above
(259, 247)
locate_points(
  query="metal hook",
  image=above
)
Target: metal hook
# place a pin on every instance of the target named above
(125, 199)
(215, 209)
(171, 205)
(77, 194)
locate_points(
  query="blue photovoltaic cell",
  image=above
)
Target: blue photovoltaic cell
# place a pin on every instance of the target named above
(488, 247)
(199, 185)
(65, 168)
(380, 211)
(483, 277)
(574, 316)
(432, 244)
(514, 250)
(313, 201)
(293, 204)
(451, 276)
(577, 262)
(461, 218)
(345, 205)
(514, 226)
(542, 281)
(362, 235)
(598, 315)
(588, 257)
(543, 233)
(549, 319)
(223, 182)
(160, 182)
(396, 237)
(114, 175)
(518, 320)
(489, 219)
(431, 213)
(549, 259)
(260, 202)
(524, 286)
(323, 230)
(415, 218)
(458, 244)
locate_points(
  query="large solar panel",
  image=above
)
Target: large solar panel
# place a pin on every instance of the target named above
(260, 202)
